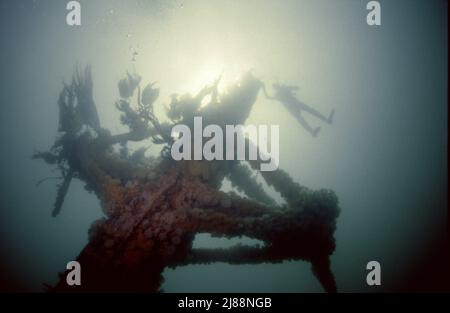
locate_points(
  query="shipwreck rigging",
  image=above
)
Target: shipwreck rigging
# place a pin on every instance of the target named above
(154, 206)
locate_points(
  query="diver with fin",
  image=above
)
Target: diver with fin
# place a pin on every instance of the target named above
(286, 95)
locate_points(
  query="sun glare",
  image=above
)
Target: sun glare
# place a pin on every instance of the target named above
(211, 70)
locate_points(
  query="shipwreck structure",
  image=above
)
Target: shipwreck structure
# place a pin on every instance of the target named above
(154, 206)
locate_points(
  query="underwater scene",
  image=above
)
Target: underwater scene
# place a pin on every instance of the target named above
(207, 146)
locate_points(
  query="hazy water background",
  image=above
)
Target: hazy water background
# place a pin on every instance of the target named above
(385, 155)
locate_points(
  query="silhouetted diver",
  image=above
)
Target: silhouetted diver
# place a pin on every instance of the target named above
(285, 94)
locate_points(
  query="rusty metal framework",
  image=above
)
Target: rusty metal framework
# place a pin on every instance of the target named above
(154, 206)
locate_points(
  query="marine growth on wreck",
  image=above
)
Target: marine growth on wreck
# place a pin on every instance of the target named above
(154, 206)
